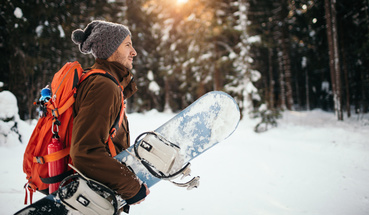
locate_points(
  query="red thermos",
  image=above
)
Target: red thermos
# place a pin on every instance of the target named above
(55, 167)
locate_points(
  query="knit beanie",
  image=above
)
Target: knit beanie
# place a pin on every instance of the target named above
(100, 38)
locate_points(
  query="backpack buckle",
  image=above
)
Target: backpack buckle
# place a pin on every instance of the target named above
(55, 126)
(55, 113)
(40, 159)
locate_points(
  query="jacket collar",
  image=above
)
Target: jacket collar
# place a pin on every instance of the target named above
(121, 73)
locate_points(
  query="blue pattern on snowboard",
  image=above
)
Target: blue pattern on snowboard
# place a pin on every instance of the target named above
(193, 130)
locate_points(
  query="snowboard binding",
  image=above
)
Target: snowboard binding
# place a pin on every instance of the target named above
(88, 196)
(162, 159)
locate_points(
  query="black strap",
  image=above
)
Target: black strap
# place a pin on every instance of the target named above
(76, 79)
(106, 74)
(57, 178)
(125, 208)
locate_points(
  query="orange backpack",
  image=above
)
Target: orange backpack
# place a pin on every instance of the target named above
(57, 124)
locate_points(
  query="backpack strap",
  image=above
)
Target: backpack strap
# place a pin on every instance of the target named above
(51, 157)
(119, 120)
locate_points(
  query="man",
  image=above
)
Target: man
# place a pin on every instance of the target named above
(98, 104)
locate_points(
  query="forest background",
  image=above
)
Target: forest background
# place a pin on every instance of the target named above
(270, 55)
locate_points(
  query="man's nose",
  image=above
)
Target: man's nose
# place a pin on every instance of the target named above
(133, 52)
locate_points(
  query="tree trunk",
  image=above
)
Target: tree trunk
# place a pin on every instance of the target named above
(337, 61)
(286, 53)
(345, 72)
(284, 62)
(334, 62)
(167, 96)
(217, 84)
(307, 87)
(271, 79)
(282, 90)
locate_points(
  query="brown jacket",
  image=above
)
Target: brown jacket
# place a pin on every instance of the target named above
(97, 105)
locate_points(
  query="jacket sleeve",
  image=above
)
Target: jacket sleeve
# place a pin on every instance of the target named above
(96, 107)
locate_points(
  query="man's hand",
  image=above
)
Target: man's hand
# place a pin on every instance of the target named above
(147, 193)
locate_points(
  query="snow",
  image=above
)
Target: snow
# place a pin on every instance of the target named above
(8, 104)
(61, 30)
(18, 13)
(153, 86)
(310, 164)
(254, 39)
(39, 30)
(10, 123)
(325, 86)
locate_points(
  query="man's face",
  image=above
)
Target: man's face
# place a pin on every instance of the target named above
(124, 54)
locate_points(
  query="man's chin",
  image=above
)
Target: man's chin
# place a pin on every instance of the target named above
(129, 66)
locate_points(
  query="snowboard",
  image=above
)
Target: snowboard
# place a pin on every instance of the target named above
(206, 122)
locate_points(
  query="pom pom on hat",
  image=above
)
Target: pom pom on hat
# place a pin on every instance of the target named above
(78, 36)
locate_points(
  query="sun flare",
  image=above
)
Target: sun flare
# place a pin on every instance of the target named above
(182, 1)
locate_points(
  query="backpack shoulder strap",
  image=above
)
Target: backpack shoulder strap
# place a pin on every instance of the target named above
(118, 121)
(91, 72)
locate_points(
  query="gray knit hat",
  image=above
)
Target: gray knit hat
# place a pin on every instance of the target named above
(100, 38)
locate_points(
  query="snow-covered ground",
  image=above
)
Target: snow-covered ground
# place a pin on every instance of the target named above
(310, 164)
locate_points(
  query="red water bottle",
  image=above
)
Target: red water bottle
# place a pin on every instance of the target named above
(55, 167)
